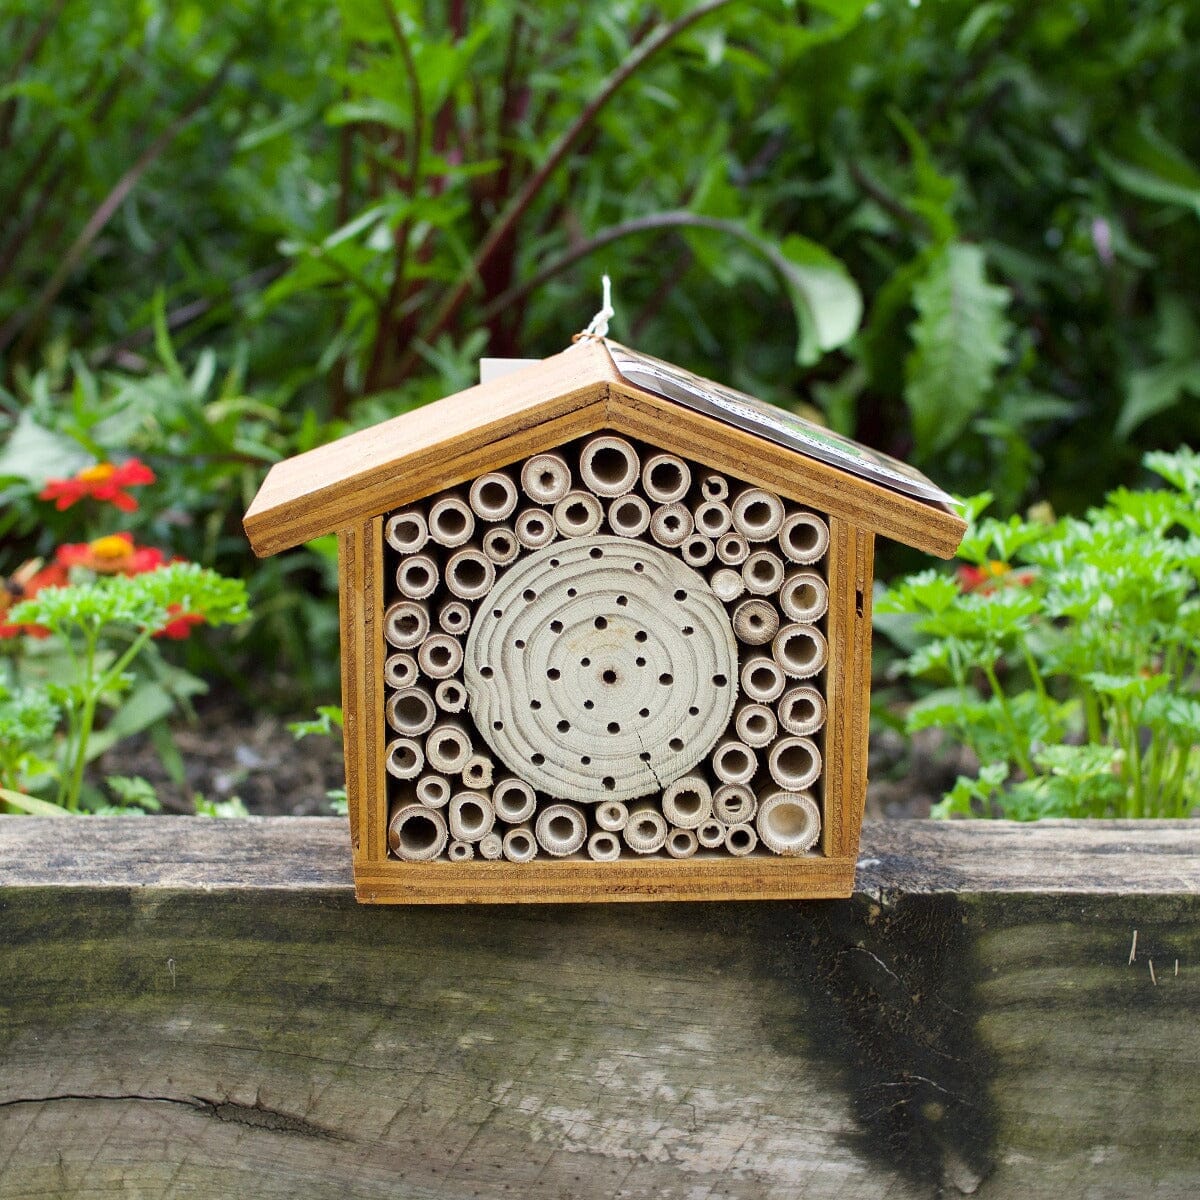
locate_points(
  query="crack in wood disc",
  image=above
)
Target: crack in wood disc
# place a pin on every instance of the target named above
(601, 669)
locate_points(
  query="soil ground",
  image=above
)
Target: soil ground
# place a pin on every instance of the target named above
(230, 752)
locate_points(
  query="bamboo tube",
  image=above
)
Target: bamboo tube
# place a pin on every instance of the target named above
(534, 528)
(500, 545)
(671, 525)
(629, 516)
(804, 596)
(604, 846)
(789, 823)
(470, 573)
(433, 791)
(417, 576)
(734, 762)
(801, 710)
(400, 670)
(713, 518)
(491, 846)
(740, 840)
(646, 831)
(460, 851)
(447, 747)
(762, 679)
(609, 466)
(681, 843)
(714, 487)
(734, 804)
(578, 514)
(666, 478)
(732, 549)
(697, 551)
(546, 478)
(440, 656)
(763, 572)
(801, 650)
(727, 584)
(411, 711)
(450, 695)
(711, 834)
(406, 531)
(471, 816)
(756, 725)
(455, 617)
(514, 800)
(794, 763)
(417, 833)
(405, 624)
(493, 496)
(404, 759)
(520, 845)
(612, 816)
(561, 829)
(757, 514)
(451, 521)
(755, 622)
(804, 537)
(687, 801)
(478, 771)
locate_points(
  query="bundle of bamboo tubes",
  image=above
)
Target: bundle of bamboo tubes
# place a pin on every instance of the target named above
(604, 650)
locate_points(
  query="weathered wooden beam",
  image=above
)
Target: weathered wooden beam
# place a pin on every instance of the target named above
(199, 1008)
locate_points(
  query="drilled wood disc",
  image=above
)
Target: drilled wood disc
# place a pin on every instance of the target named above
(601, 669)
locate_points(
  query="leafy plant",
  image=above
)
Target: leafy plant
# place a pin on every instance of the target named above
(101, 629)
(1067, 655)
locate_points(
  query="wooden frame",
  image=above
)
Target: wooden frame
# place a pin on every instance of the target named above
(348, 485)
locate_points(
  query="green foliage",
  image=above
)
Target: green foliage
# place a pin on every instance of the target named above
(95, 632)
(327, 723)
(1067, 656)
(960, 338)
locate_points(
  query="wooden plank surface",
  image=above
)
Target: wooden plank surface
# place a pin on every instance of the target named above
(199, 1008)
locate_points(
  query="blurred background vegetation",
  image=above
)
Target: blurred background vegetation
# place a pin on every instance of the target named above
(965, 233)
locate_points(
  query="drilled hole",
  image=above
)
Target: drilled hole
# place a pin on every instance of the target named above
(676, 744)
(537, 759)
(720, 681)
(666, 678)
(600, 623)
(486, 672)
(553, 673)
(609, 676)
(556, 627)
(608, 783)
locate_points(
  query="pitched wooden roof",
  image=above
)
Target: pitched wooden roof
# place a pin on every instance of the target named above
(537, 408)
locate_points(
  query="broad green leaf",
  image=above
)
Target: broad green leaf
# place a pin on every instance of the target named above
(31, 805)
(1145, 163)
(827, 301)
(34, 454)
(960, 339)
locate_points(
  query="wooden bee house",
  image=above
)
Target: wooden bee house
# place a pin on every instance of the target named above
(605, 635)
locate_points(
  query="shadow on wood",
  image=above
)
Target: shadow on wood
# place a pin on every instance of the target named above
(200, 1008)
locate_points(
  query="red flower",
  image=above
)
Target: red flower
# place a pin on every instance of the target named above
(114, 554)
(103, 481)
(24, 584)
(181, 626)
(988, 577)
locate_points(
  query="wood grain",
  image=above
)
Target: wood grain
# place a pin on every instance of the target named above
(493, 425)
(418, 452)
(360, 596)
(197, 1008)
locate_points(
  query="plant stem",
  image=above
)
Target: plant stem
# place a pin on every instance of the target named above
(503, 227)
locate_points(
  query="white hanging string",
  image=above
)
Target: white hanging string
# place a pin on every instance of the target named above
(598, 326)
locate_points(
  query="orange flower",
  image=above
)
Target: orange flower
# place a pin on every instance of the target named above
(114, 554)
(25, 583)
(103, 481)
